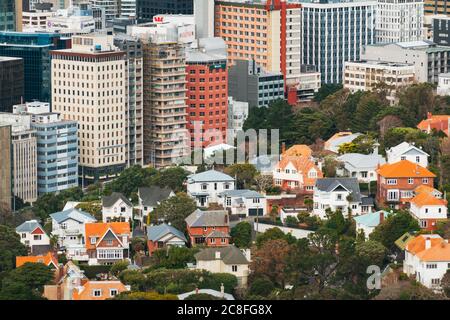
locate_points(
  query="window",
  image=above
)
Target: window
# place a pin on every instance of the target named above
(410, 181)
(417, 158)
(435, 281)
(93, 240)
(24, 235)
(431, 265)
(403, 158)
(339, 197)
(234, 268)
(354, 206)
(64, 225)
(255, 200)
(423, 223)
(97, 293)
(223, 240)
(228, 202)
(37, 237)
(425, 180)
(391, 181)
(112, 292)
(204, 186)
(123, 209)
(227, 186)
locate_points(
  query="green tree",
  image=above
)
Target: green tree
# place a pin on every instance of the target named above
(174, 257)
(175, 210)
(241, 234)
(10, 248)
(261, 287)
(93, 207)
(144, 296)
(372, 252)
(244, 172)
(133, 278)
(326, 90)
(171, 178)
(273, 234)
(130, 180)
(118, 267)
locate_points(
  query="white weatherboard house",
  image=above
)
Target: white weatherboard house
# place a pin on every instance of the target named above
(32, 234)
(407, 151)
(360, 166)
(369, 221)
(116, 207)
(427, 257)
(69, 227)
(340, 194)
(204, 187)
(243, 202)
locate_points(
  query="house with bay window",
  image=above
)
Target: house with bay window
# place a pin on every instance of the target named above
(397, 181)
(204, 187)
(107, 243)
(296, 173)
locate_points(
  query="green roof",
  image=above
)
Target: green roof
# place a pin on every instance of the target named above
(403, 240)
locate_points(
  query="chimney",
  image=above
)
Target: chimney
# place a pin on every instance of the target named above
(427, 243)
(218, 255)
(381, 216)
(283, 147)
(429, 115)
(196, 290)
(222, 290)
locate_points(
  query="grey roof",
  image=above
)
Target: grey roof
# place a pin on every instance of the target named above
(265, 163)
(211, 218)
(109, 201)
(211, 292)
(351, 184)
(154, 233)
(217, 234)
(209, 176)
(335, 143)
(243, 193)
(28, 226)
(152, 196)
(41, 249)
(367, 201)
(74, 214)
(229, 255)
(358, 160)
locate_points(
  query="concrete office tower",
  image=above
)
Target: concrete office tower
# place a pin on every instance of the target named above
(399, 20)
(8, 15)
(57, 147)
(127, 8)
(249, 82)
(204, 18)
(11, 82)
(111, 8)
(207, 84)
(89, 86)
(134, 100)
(6, 166)
(437, 7)
(335, 31)
(24, 156)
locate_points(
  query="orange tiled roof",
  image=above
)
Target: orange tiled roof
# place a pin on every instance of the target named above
(99, 229)
(298, 150)
(427, 199)
(424, 188)
(438, 122)
(439, 251)
(417, 244)
(339, 135)
(404, 169)
(302, 164)
(86, 292)
(48, 259)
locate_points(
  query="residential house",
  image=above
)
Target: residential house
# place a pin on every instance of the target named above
(163, 236)
(397, 182)
(297, 150)
(208, 227)
(243, 202)
(99, 290)
(32, 235)
(72, 278)
(227, 259)
(205, 186)
(428, 207)
(149, 199)
(48, 259)
(340, 194)
(427, 257)
(68, 226)
(369, 221)
(265, 164)
(339, 138)
(291, 212)
(116, 207)
(436, 122)
(297, 174)
(107, 243)
(360, 166)
(407, 151)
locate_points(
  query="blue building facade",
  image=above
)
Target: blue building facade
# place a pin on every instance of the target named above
(7, 15)
(34, 49)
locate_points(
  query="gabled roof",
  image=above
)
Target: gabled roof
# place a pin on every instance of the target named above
(109, 201)
(217, 234)
(243, 193)
(438, 122)
(49, 259)
(298, 150)
(229, 255)
(371, 219)
(350, 184)
(154, 233)
(74, 214)
(427, 199)
(100, 229)
(29, 226)
(152, 196)
(85, 292)
(402, 148)
(358, 160)
(209, 176)
(404, 169)
(303, 165)
(417, 244)
(439, 251)
(212, 218)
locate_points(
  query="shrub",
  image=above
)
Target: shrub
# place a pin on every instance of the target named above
(261, 287)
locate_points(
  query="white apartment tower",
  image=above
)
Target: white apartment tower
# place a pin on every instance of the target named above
(399, 20)
(89, 86)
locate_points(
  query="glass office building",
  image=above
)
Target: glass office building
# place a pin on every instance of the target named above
(34, 49)
(7, 15)
(146, 9)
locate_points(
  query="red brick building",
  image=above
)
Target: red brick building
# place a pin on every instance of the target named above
(397, 182)
(207, 91)
(210, 228)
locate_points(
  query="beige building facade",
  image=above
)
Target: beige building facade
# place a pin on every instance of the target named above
(5, 168)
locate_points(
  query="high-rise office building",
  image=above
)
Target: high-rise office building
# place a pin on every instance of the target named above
(399, 20)
(57, 147)
(89, 86)
(6, 167)
(7, 15)
(11, 82)
(441, 31)
(34, 49)
(127, 8)
(146, 9)
(335, 31)
(134, 102)
(207, 84)
(437, 7)
(111, 8)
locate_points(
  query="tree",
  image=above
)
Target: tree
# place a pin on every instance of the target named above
(325, 90)
(27, 282)
(291, 221)
(10, 248)
(270, 261)
(241, 235)
(372, 252)
(263, 182)
(363, 144)
(172, 178)
(330, 165)
(407, 290)
(445, 283)
(130, 180)
(244, 172)
(93, 207)
(393, 227)
(144, 296)
(133, 278)
(216, 280)
(175, 210)
(273, 234)
(261, 287)
(174, 257)
(118, 267)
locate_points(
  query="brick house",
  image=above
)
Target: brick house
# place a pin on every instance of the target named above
(163, 236)
(397, 181)
(211, 228)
